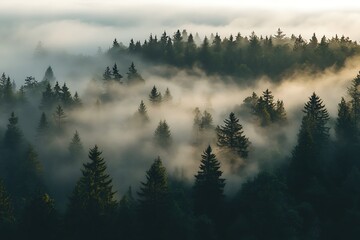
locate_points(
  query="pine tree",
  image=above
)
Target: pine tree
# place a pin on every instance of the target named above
(8, 92)
(115, 73)
(231, 136)
(209, 186)
(163, 135)
(155, 96)
(13, 134)
(66, 97)
(167, 96)
(154, 201)
(49, 75)
(30, 83)
(345, 129)
(206, 121)
(133, 76)
(280, 113)
(57, 92)
(76, 100)
(43, 127)
(75, 147)
(313, 137)
(142, 112)
(48, 98)
(92, 204)
(354, 93)
(59, 116)
(107, 74)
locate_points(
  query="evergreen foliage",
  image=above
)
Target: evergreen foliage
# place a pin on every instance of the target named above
(76, 148)
(133, 77)
(155, 96)
(209, 187)
(162, 135)
(231, 137)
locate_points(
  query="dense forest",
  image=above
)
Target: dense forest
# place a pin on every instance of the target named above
(140, 154)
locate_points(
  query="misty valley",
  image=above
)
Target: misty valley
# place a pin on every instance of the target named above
(183, 137)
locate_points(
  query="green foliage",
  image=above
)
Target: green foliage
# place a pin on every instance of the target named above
(231, 137)
(162, 135)
(7, 218)
(133, 77)
(142, 114)
(49, 75)
(155, 96)
(76, 148)
(59, 116)
(209, 186)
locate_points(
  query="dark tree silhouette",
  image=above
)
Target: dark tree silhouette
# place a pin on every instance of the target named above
(163, 135)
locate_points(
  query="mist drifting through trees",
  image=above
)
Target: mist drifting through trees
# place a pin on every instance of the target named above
(183, 134)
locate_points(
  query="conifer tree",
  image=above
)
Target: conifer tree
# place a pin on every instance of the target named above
(155, 96)
(154, 201)
(115, 73)
(48, 98)
(280, 113)
(133, 76)
(345, 129)
(66, 97)
(142, 112)
(209, 186)
(57, 92)
(43, 127)
(49, 75)
(163, 135)
(8, 92)
(107, 74)
(13, 134)
(92, 204)
(59, 116)
(167, 96)
(75, 147)
(231, 136)
(76, 100)
(206, 121)
(354, 92)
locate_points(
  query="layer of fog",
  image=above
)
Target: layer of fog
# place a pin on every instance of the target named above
(129, 150)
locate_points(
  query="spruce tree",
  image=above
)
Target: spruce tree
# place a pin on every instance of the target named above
(66, 97)
(76, 100)
(115, 73)
(13, 134)
(49, 75)
(231, 136)
(206, 121)
(59, 116)
(167, 96)
(142, 113)
(155, 96)
(133, 76)
(154, 201)
(92, 204)
(75, 147)
(345, 128)
(163, 135)
(57, 92)
(209, 186)
(43, 127)
(107, 74)
(354, 93)
(48, 98)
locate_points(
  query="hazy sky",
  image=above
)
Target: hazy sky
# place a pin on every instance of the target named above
(83, 25)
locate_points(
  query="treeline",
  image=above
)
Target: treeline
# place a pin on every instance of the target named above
(243, 57)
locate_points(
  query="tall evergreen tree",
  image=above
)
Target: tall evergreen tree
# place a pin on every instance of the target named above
(92, 204)
(48, 98)
(354, 93)
(76, 100)
(57, 92)
(13, 134)
(167, 96)
(107, 74)
(209, 186)
(115, 73)
(76, 148)
(163, 135)
(345, 128)
(49, 75)
(155, 96)
(142, 113)
(154, 201)
(43, 127)
(231, 136)
(59, 116)
(66, 97)
(133, 76)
